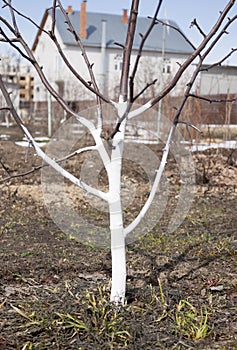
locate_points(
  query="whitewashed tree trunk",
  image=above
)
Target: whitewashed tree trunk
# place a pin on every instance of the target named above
(118, 248)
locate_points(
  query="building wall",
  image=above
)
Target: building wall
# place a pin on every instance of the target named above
(219, 80)
(151, 67)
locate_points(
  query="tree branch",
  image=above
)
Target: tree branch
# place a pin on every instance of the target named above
(33, 170)
(99, 96)
(144, 89)
(219, 63)
(127, 51)
(213, 100)
(194, 23)
(139, 54)
(177, 30)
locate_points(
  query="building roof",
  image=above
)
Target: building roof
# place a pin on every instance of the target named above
(116, 32)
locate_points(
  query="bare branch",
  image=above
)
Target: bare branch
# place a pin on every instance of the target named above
(190, 125)
(127, 51)
(99, 96)
(144, 89)
(213, 100)
(139, 54)
(43, 78)
(12, 41)
(39, 167)
(177, 30)
(53, 17)
(194, 23)
(219, 63)
(4, 167)
(24, 16)
(93, 89)
(12, 16)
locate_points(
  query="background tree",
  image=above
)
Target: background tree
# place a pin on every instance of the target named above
(111, 149)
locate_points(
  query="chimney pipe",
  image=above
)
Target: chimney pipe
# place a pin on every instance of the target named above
(69, 10)
(83, 33)
(125, 16)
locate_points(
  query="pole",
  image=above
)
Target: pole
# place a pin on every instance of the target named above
(49, 114)
(103, 56)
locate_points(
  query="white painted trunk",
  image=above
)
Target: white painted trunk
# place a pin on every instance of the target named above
(118, 254)
(118, 250)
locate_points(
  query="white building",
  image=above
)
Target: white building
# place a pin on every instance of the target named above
(100, 34)
(218, 80)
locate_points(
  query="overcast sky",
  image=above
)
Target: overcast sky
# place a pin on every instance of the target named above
(181, 11)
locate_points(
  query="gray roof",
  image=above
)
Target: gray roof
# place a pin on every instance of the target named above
(116, 32)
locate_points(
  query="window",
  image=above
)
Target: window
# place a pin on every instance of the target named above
(166, 66)
(118, 62)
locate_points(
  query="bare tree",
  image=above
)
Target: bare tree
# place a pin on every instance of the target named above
(111, 151)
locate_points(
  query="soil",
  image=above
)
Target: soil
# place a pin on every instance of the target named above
(181, 286)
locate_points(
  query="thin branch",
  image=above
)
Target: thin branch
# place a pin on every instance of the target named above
(4, 167)
(213, 100)
(24, 16)
(190, 125)
(39, 167)
(219, 63)
(13, 17)
(99, 96)
(177, 30)
(45, 81)
(12, 41)
(139, 54)
(144, 89)
(194, 23)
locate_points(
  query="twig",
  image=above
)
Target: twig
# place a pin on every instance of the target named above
(219, 63)
(194, 23)
(177, 30)
(4, 167)
(144, 89)
(190, 125)
(213, 100)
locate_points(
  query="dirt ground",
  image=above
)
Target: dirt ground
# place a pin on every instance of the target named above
(181, 286)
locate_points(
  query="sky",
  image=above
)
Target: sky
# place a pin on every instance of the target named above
(181, 11)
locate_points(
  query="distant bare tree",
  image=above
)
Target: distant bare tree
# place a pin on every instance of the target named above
(111, 151)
